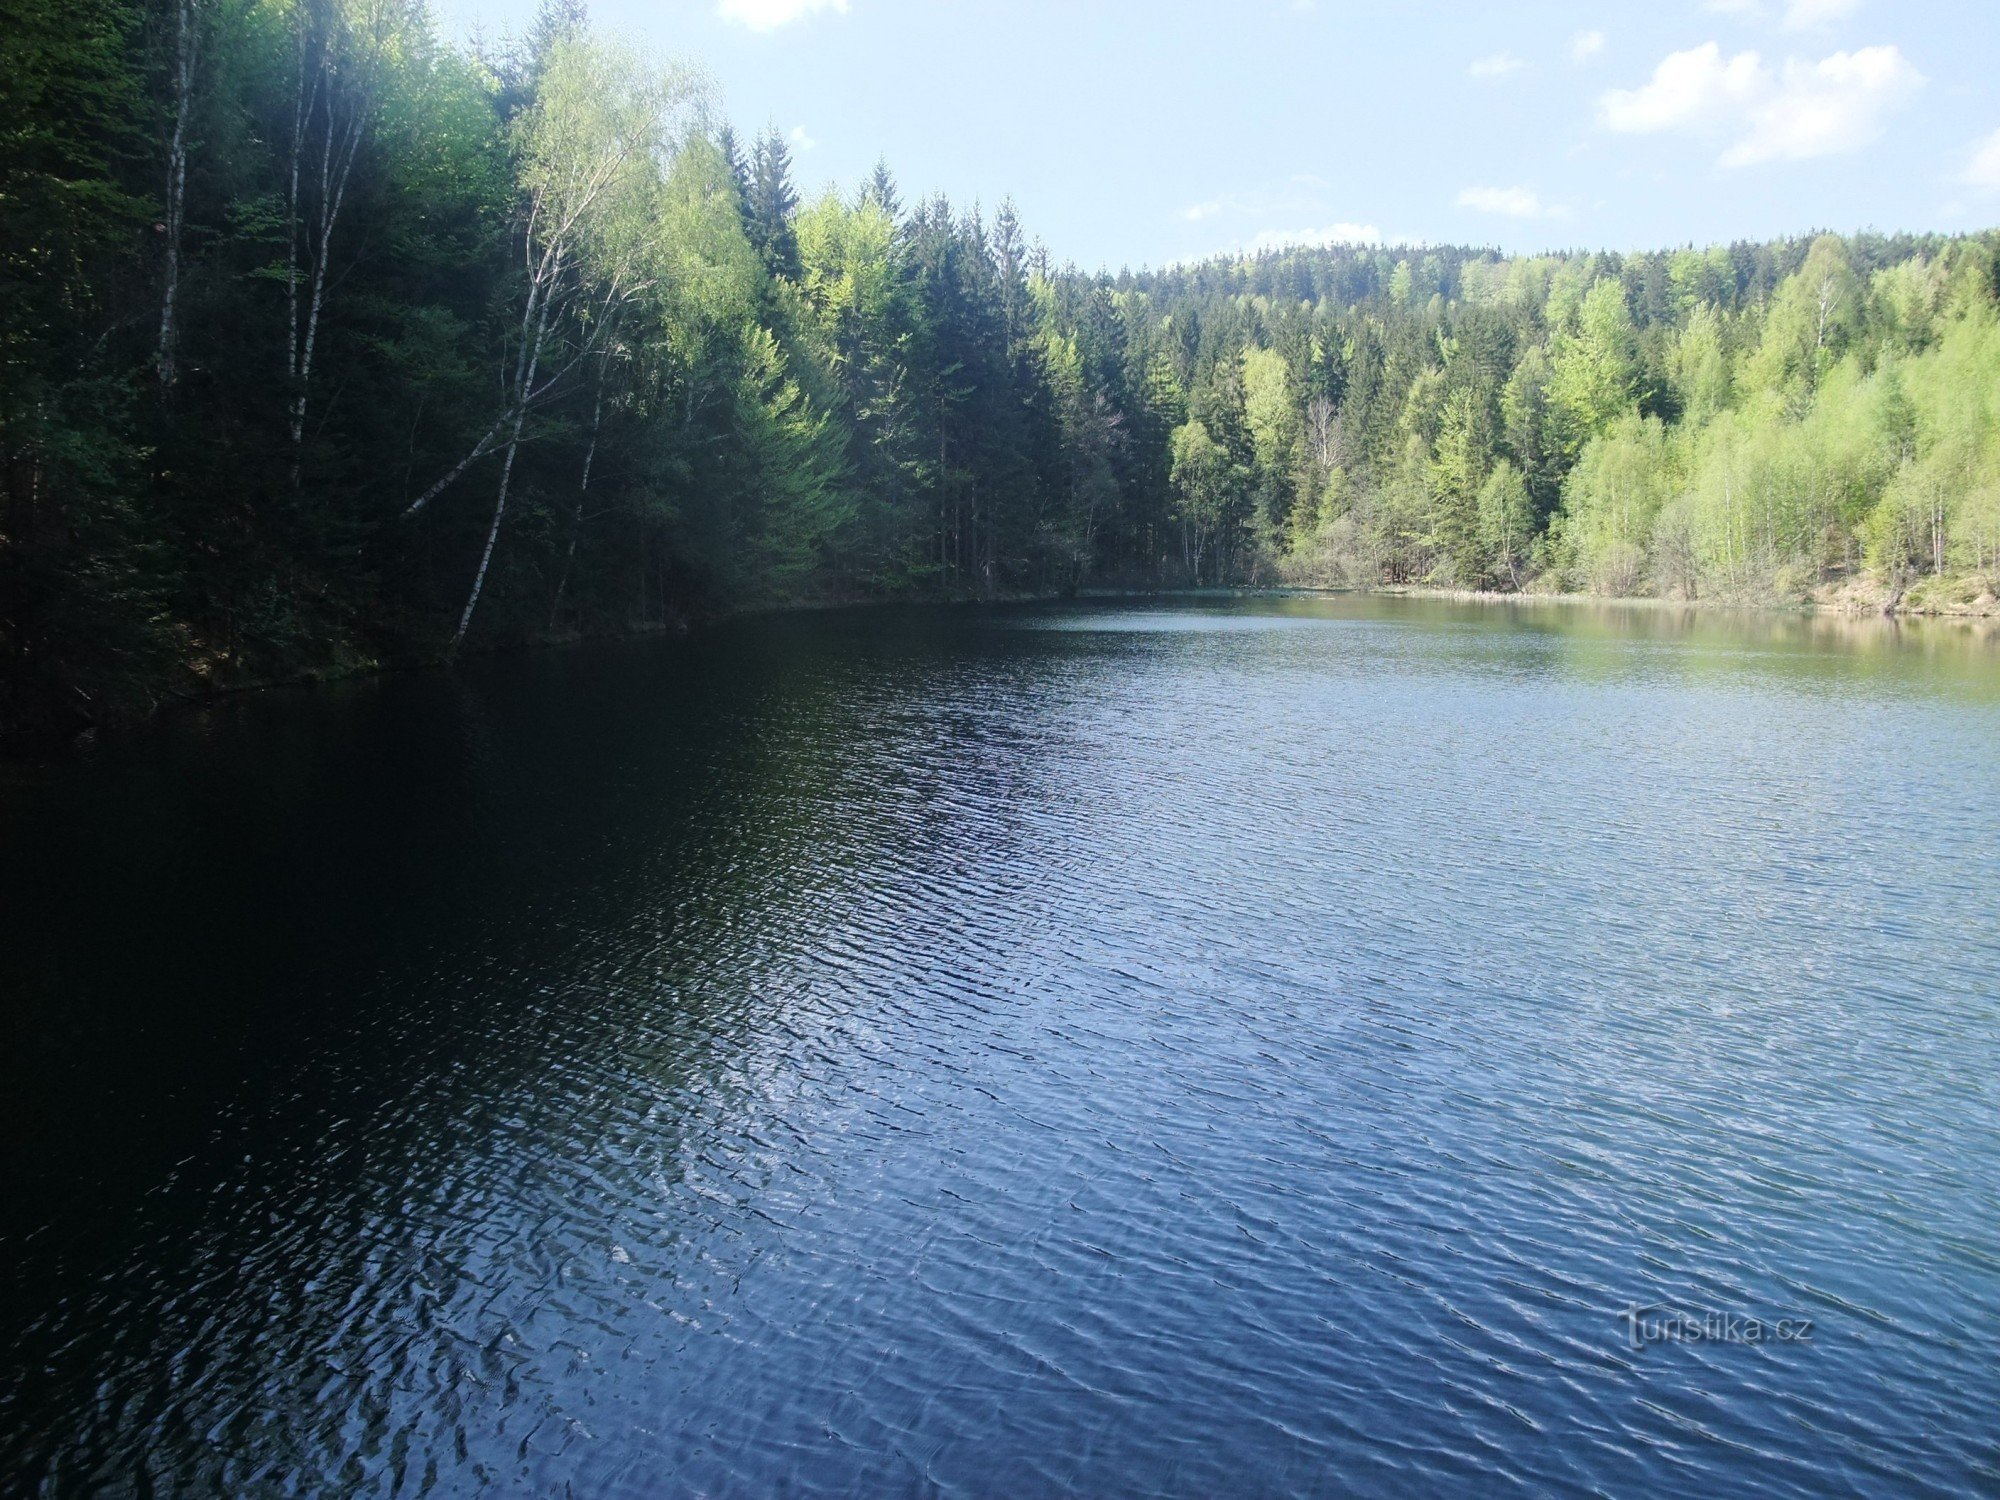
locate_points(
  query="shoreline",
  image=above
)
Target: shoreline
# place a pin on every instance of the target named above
(1842, 602)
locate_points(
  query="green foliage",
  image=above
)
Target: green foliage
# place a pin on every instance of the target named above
(1700, 365)
(1591, 368)
(81, 580)
(1611, 503)
(1506, 522)
(1750, 422)
(1808, 328)
(771, 205)
(1208, 484)
(709, 394)
(791, 452)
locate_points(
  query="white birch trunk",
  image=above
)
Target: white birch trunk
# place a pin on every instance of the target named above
(348, 112)
(168, 362)
(524, 380)
(582, 494)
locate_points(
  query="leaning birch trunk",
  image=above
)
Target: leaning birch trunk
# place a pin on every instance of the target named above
(492, 535)
(168, 363)
(478, 451)
(586, 169)
(333, 192)
(345, 130)
(524, 381)
(582, 493)
(302, 108)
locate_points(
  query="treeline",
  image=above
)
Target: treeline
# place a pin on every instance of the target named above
(1756, 422)
(323, 342)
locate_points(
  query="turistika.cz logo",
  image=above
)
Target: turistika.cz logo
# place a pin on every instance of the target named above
(1657, 1324)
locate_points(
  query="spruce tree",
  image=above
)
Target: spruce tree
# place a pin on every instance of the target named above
(880, 190)
(1010, 262)
(739, 173)
(556, 21)
(772, 204)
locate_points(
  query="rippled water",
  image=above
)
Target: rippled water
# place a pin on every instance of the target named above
(1251, 1048)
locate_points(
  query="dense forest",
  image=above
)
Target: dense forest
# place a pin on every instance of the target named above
(326, 343)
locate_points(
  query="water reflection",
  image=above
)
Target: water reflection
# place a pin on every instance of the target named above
(1250, 1047)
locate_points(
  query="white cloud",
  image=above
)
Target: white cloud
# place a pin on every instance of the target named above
(1333, 234)
(1300, 197)
(1585, 45)
(800, 140)
(1826, 108)
(1687, 89)
(1803, 14)
(1838, 104)
(1983, 171)
(1799, 15)
(769, 15)
(1499, 65)
(1511, 202)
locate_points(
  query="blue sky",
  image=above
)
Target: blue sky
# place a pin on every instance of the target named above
(1141, 133)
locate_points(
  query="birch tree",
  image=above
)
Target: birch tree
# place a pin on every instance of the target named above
(583, 483)
(187, 47)
(342, 51)
(1202, 482)
(592, 149)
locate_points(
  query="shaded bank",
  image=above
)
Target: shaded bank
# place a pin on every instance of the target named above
(1838, 620)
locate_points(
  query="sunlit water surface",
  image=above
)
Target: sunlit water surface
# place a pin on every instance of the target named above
(1249, 1048)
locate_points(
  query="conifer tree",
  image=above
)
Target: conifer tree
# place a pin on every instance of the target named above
(880, 190)
(773, 202)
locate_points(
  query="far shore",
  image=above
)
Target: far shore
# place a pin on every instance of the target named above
(1851, 601)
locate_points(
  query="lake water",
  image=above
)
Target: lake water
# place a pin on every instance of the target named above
(1258, 1047)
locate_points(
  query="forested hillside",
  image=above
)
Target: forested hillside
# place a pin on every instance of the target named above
(326, 343)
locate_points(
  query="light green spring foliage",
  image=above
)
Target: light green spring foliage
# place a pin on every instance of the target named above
(847, 251)
(1270, 405)
(743, 397)
(1938, 426)
(1506, 523)
(1590, 382)
(708, 272)
(592, 151)
(1612, 501)
(1815, 456)
(1274, 414)
(1848, 426)
(1205, 484)
(798, 502)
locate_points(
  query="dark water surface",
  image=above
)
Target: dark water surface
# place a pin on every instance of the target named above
(1250, 1048)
